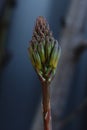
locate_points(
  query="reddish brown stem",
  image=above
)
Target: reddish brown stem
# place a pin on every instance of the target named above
(46, 106)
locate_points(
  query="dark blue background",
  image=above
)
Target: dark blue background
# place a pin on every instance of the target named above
(20, 90)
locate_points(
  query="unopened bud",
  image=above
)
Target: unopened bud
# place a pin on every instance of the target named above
(44, 50)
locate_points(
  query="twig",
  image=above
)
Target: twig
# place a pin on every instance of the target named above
(46, 106)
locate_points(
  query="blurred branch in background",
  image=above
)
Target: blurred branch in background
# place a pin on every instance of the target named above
(75, 113)
(5, 20)
(73, 44)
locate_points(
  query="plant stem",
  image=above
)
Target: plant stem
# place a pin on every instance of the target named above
(46, 106)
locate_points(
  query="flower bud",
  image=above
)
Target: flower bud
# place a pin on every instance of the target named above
(44, 50)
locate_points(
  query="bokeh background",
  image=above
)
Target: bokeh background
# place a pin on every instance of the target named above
(20, 89)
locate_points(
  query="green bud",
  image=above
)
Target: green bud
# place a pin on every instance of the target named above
(57, 57)
(41, 52)
(54, 54)
(48, 50)
(37, 60)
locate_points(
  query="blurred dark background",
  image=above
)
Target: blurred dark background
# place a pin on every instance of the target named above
(20, 90)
